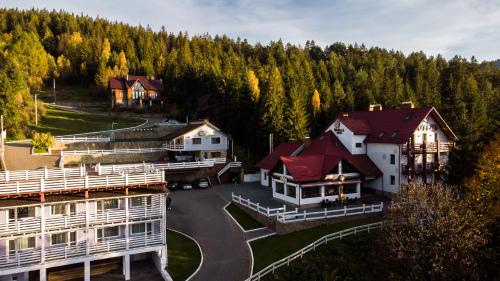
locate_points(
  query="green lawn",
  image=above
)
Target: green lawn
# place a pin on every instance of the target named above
(273, 248)
(64, 92)
(60, 122)
(246, 221)
(184, 256)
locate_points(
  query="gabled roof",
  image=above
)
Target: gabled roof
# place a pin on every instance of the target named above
(122, 83)
(188, 128)
(284, 149)
(320, 158)
(390, 125)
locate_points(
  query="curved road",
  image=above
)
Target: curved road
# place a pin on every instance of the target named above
(199, 214)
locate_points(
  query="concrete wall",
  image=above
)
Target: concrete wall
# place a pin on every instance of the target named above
(114, 158)
(380, 154)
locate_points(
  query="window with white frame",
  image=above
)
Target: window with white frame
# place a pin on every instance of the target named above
(215, 154)
(62, 209)
(358, 145)
(68, 238)
(139, 201)
(196, 140)
(20, 244)
(141, 228)
(107, 204)
(393, 159)
(108, 232)
(22, 213)
(216, 140)
(393, 180)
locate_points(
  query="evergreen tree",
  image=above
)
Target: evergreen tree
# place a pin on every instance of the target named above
(274, 100)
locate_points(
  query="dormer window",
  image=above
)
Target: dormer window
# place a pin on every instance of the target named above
(394, 134)
(381, 134)
(407, 116)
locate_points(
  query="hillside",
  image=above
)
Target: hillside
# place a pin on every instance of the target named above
(247, 90)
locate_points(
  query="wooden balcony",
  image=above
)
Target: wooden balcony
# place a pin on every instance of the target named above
(429, 147)
(419, 168)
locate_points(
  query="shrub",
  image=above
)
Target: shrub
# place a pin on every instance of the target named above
(41, 142)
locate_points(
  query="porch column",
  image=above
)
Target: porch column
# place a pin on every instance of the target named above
(26, 275)
(322, 192)
(285, 191)
(43, 274)
(126, 267)
(358, 189)
(86, 270)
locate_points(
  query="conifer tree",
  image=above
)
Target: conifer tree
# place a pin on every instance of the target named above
(274, 101)
(253, 85)
(316, 102)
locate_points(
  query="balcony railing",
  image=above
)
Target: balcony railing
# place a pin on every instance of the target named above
(173, 146)
(54, 253)
(80, 183)
(112, 151)
(419, 168)
(148, 167)
(37, 174)
(430, 147)
(53, 223)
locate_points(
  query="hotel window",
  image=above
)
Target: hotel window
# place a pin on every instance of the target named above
(393, 159)
(215, 154)
(358, 145)
(280, 188)
(139, 201)
(140, 228)
(63, 238)
(393, 180)
(331, 190)
(108, 204)
(21, 244)
(215, 140)
(311, 192)
(22, 212)
(290, 191)
(196, 140)
(108, 232)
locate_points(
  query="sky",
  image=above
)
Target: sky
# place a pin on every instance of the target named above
(460, 27)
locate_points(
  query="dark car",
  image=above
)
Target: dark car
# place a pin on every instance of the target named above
(201, 183)
(173, 185)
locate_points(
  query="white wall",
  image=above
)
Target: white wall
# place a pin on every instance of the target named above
(206, 135)
(264, 177)
(348, 138)
(380, 154)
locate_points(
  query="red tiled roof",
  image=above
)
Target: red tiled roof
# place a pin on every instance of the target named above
(321, 157)
(389, 125)
(123, 84)
(271, 160)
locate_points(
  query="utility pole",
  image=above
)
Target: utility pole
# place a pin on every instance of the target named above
(36, 111)
(54, 86)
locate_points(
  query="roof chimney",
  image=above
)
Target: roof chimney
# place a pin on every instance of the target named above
(375, 107)
(407, 104)
(307, 141)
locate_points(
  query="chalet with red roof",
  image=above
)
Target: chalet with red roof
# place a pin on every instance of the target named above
(377, 149)
(135, 91)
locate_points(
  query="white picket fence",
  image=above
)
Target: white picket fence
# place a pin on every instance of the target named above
(112, 151)
(312, 247)
(146, 167)
(71, 139)
(80, 183)
(284, 216)
(44, 173)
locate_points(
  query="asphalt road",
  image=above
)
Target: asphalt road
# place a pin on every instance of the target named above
(199, 214)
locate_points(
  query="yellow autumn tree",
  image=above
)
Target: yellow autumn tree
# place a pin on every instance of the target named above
(253, 85)
(122, 65)
(316, 102)
(106, 50)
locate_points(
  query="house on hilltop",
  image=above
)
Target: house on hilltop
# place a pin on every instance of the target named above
(377, 149)
(135, 91)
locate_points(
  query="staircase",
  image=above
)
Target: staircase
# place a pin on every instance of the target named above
(226, 168)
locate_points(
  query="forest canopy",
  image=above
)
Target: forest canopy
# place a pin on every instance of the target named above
(289, 90)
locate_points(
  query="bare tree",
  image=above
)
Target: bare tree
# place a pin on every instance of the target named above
(434, 235)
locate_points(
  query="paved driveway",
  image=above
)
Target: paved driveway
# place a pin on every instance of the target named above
(199, 214)
(18, 157)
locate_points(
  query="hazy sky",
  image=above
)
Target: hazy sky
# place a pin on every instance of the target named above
(464, 27)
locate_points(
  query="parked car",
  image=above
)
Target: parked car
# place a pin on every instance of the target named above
(201, 183)
(186, 186)
(173, 185)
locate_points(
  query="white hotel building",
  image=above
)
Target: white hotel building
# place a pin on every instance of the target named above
(52, 222)
(377, 149)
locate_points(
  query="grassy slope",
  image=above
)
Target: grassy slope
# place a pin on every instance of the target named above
(242, 218)
(183, 256)
(60, 122)
(273, 248)
(64, 93)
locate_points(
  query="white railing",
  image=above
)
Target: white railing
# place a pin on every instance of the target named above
(296, 216)
(268, 212)
(80, 183)
(312, 247)
(53, 253)
(20, 175)
(146, 167)
(112, 151)
(71, 139)
(173, 146)
(284, 216)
